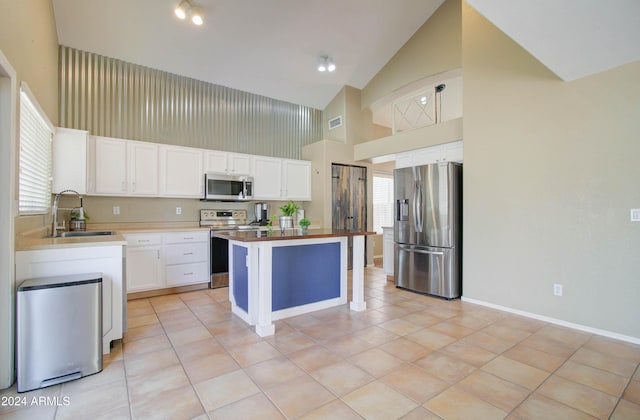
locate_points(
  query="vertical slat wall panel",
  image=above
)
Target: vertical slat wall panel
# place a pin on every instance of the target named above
(110, 97)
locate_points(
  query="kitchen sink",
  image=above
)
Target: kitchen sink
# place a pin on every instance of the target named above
(74, 234)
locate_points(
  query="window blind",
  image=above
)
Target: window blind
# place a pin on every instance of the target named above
(36, 134)
(382, 201)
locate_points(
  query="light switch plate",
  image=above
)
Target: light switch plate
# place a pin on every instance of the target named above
(178, 210)
(635, 215)
(116, 210)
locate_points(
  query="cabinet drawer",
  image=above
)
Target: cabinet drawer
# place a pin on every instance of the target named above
(186, 237)
(186, 253)
(143, 240)
(187, 274)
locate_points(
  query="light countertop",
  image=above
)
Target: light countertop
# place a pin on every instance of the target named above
(288, 234)
(38, 241)
(32, 243)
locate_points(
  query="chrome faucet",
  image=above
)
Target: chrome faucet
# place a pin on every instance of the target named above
(54, 211)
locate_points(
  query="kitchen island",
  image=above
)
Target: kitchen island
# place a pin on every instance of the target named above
(275, 275)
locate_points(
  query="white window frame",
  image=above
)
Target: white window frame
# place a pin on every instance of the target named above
(35, 159)
(377, 224)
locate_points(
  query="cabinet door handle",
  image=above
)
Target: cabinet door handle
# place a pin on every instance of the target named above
(188, 253)
(124, 186)
(158, 253)
(143, 240)
(134, 186)
(189, 274)
(191, 237)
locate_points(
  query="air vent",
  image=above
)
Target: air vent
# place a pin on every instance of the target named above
(335, 122)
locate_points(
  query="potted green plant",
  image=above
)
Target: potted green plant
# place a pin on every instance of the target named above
(78, 219)
(304, 224)
(286, 215)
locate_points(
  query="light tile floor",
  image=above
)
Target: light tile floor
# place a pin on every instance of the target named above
(408, 356)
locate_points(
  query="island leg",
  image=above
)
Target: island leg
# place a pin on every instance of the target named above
(264, 326)
(357, 301)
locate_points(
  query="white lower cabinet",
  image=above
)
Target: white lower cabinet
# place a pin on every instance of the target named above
(88, 259)
(144, 264)
(166, 259)
(186, 258)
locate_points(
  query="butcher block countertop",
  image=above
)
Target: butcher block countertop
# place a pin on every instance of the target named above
(288, 234)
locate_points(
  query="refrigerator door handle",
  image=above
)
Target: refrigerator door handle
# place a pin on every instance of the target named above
(419, 205)
(421, 251)
(414, 216)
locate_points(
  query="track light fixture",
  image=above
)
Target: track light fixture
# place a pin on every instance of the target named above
(326, 64)
(185, 8)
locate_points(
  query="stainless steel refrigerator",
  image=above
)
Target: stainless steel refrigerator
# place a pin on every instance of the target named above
(428, 229)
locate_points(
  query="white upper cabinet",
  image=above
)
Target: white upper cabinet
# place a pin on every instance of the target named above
(267, 178)
(296, 179)
(452, 152)
(181, 172)
(281, 179)
(110, 166)
(426, 156)
(215, 161)
(239, 164)
(143, 168)
(124, 167)
(229, 163)
(449, 152)
(70, 160)
(133, 168)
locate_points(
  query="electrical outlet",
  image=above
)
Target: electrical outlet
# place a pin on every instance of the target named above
(635, 215)
(178, 210)
(557, 289)
(116, 210)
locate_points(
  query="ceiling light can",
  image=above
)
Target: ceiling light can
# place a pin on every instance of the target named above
(181, 9)
(196, 16)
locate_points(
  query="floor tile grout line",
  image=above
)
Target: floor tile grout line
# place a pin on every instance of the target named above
(624, 391)
(410, 310)
(177, 357)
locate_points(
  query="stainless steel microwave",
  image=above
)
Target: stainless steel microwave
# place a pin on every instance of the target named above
(223, 187)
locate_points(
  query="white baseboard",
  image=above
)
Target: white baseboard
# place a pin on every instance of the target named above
(604, 333)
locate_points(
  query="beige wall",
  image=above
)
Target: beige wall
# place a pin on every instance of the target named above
(337, 147)
(335, 108)
(29, 40)
(551, 171)
(433, 49)
(433, 135)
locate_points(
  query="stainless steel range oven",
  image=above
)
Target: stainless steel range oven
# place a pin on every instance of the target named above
(218, 220)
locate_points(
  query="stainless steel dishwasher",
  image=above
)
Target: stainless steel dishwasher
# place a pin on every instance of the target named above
(59, 329)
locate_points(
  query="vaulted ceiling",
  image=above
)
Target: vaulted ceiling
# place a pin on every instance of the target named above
(271, 47)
